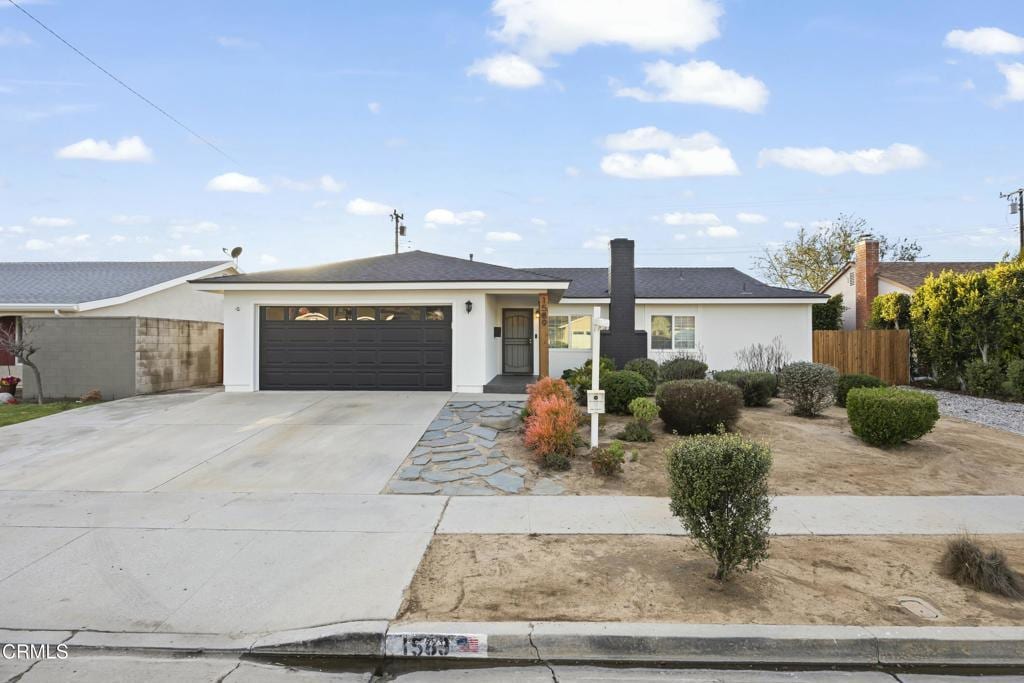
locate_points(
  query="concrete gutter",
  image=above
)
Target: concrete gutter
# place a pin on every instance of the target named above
(520, 642)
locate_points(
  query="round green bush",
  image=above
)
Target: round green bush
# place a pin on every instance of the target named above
(757, 387)
(643, 409)
(809, 387)
(647, 367)
(696, 406)
(621, 387)
(853, 381)
(983, 378)
(887, 416)
(682, 368)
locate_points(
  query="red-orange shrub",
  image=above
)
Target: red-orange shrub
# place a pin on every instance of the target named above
(551, 426)
(545, 387)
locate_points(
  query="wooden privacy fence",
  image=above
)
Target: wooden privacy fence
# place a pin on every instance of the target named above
(882, 353)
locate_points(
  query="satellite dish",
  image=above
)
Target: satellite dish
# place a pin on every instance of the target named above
(234, 253)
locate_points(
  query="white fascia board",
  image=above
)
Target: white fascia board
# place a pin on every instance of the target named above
(568, 300)
(37, 307)
(159, 287)
(794, 300)
(504, 287)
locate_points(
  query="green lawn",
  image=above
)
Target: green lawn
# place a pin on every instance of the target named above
(20, 412)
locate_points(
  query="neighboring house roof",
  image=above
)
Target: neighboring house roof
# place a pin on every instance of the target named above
(408, 266)
(912, 274)
(73, 283)
(674, 283)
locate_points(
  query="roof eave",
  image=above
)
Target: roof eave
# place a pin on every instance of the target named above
(211, 285)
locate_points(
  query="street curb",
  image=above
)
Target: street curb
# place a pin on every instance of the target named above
(348, 639)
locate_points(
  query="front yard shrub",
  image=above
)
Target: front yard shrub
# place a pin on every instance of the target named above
(1015, 378)
(757, 387)
(644, 410)
(546, 387)
(969, 565)
(852, 381)
(579, 379)
(888, 416)
(608, 461)
(719, 489)
(682, 368)
(983, 378)
(556, 461)
(809, 387)
(551, 426)
(697, 406)
(621, 387)
(648, 367)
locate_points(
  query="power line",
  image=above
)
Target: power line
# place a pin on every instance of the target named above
(123, 84)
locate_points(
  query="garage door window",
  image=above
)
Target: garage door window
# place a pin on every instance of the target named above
(366, 314)
(275, 313)
(400, 313)
(344, 313)
(309, 313)
(435, 313)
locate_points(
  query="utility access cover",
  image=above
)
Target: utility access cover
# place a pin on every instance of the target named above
(918, 607)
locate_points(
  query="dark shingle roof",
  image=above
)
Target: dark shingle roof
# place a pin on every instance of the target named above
(913, 273)
(408, 266)
(76, 282)
(674, 283)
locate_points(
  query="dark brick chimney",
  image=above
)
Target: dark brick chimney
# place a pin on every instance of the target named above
(622, 341)
(866, 279)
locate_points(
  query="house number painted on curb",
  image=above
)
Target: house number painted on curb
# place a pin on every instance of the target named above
(435, 645)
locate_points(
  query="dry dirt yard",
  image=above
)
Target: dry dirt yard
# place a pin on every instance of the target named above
(819, 456)
(807, 580)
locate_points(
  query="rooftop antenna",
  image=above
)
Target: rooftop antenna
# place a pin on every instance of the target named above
(234, 253)
(471, 257)
(399, 226)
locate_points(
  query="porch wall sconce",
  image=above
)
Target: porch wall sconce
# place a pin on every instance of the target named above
(469, 307)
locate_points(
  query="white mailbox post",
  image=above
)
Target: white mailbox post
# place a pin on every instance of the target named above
(595, 397)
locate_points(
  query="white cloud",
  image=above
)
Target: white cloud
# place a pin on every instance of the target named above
(968, 84)
(687, 218)
(447, 217)
(322, 203)
(792, 225)
(38, 245)
(985, 41)
(11, 38)
(125, 219)
(597, 242)
(510, 71)
(117, 239)
(720, 231)
(538, 29)
(179, 230)
(752, 218)
(268, 259)
(185, 251)
(700, 83)
(374, 107)
(72, 240)
(125, 149)
(329, 184)
(325, 182)
(236, 182)
(1014, 81)
(15, 229)
(364, 207)
(572, 171)
(697, 155)
(503, 237)
(51, 222)
(539, 222)
(236, 42)
(680, 237)
(827, 161)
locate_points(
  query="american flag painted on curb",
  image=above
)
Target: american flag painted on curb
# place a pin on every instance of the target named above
(435, 645)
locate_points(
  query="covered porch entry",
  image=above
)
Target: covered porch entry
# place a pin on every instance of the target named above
(519, 341)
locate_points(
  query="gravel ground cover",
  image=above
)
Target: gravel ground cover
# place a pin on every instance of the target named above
(997, 414)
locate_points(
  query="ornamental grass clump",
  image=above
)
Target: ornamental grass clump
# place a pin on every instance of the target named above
(969, 565)
(757, 387)
(888, 416)
(545, 387)
(809, 387)
(697, 406)
(644, 410)
(719, 489)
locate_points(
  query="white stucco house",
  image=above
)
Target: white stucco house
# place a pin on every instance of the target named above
(423, 321)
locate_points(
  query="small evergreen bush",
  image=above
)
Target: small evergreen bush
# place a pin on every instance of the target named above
(696, 406)
(966, 563)
(757, 387)
(621, 387)
(644, 410)
(852, 381)
(682, 368)
(648, 367)
(579, 379)
(887, 416)
(983, 378)
(809, 387)
(719, 489)
(1015, 378)
(608, 461)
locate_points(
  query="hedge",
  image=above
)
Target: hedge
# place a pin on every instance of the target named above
(852, 381)
(888, 416)
(697, 406)
(757, 387)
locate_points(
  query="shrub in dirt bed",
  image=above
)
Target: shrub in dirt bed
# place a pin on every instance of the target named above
(969, 565)
(757, 387)
(1015, 379)
(556, 461)
(551, 426)
(809, 387)
(546, 387)
(647, 367)
(644, 410)
(579, 379)
(682, 368)
(697, 406)
(852, 381)
(888, 416)
(621, 387)
(983, 378)
(719, 489)
(608, 461)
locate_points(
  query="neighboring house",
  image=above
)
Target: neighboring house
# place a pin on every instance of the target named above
(121, 327)
(422, 321)
(866, 277)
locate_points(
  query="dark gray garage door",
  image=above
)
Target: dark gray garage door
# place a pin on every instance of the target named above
(356, 347)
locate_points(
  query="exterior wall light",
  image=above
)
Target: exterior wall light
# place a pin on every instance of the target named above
(469, 307)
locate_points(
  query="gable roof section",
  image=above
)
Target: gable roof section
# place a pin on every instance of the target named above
(71, 283)
(675, 283)
(913, 273)
(408, 266)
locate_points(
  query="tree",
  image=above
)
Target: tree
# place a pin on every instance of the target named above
(829, 315)
(23, 348)
(890, 312)
(812, 258)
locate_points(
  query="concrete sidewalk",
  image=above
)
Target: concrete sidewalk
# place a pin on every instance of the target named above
(794, 515)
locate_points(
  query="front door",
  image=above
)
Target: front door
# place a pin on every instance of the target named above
(517, 341)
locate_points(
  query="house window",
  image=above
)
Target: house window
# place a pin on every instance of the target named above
(673, 332)
(569, 332)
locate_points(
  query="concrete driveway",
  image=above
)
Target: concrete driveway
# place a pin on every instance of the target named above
(208, 512)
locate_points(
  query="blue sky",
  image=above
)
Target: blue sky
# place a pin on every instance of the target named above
(524, 131)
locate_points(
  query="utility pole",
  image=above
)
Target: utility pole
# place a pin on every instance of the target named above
(1018, 209)
(399, 228)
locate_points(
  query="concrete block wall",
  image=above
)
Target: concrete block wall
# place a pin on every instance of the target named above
(79, 354)
(174, 354)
